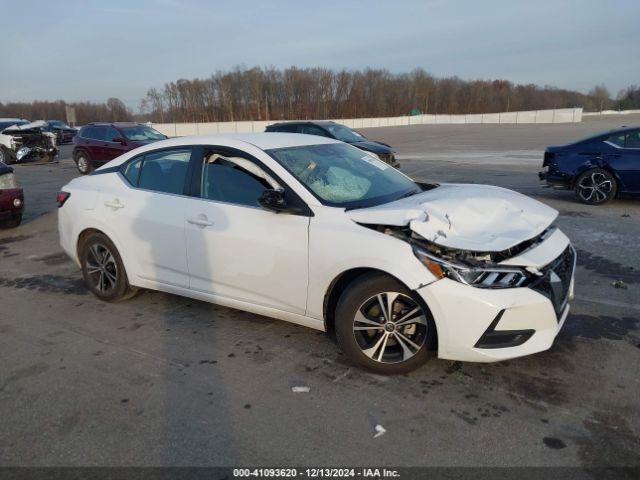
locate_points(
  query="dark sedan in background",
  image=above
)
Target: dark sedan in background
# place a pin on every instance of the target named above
(99, 143)
(64, 133)
(598, 168)
(339, 132)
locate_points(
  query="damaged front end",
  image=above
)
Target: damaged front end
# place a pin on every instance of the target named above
(482, 236)
(30, 142)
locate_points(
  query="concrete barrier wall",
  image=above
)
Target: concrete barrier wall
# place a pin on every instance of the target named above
(563, 115)
(611, 112)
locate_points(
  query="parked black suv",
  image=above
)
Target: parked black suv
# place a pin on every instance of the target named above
(339, 132)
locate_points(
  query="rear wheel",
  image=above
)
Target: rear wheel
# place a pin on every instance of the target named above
(382, 327)
(596, 186)
(83, 162)
(103, 270)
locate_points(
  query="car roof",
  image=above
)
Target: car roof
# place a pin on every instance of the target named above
(264, 140)
(113, 124)
(304, 122)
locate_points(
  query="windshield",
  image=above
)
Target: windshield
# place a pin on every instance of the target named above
(141, 133)
(5, 124)
(58, 123)
(344, 134)
(340, 175)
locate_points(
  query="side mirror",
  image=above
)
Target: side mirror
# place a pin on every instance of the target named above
(119, 140)
(273, 199)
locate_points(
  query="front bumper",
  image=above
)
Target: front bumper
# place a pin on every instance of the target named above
(484, 325)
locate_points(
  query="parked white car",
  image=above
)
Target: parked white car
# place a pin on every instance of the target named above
(316, 232)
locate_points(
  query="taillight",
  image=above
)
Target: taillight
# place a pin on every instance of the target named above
(62, 197)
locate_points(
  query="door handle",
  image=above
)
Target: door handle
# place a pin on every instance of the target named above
(115, 204)
(200, 220)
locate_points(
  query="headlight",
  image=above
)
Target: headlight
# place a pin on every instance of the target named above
(491, 277)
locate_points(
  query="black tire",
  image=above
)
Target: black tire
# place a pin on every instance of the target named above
(83, 162)
(103, 270)
(12, 222)
(596, 186)
(362, 341)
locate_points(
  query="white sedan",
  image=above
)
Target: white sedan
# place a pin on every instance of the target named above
(316, 232)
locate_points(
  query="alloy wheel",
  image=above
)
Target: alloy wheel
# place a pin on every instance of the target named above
(595, 188)
(102, 268)
(390, 327)
(83, 164)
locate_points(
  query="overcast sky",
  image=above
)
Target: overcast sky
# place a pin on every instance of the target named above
(92, 50)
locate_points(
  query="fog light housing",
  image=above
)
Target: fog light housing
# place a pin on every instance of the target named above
(17, 202)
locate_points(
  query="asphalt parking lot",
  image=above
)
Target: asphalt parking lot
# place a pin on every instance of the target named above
(164, 380)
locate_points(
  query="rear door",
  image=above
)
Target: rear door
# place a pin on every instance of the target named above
(624, 158)
(147, 214)
(236, 249)
(91, 141)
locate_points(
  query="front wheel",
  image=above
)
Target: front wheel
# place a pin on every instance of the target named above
(103, 270)
(382, 327)
(596, 186)
(83, 162)
(12, 222)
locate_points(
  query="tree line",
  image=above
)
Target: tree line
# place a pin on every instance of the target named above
(306, 93)
(113, 110)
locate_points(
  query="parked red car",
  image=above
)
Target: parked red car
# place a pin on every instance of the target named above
(98, 143)
(11, 198)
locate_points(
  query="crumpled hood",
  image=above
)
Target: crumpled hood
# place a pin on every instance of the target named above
(26, 126)
(478, 218)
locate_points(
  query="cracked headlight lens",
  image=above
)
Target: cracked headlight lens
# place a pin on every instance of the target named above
(491, 277)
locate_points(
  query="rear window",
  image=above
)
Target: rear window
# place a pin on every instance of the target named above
(93, 133)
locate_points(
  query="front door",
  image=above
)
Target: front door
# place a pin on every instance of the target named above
(238, 250)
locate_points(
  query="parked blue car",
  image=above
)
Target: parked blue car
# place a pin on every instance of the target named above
(598, 168)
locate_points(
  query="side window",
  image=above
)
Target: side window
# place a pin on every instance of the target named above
(233, 180)
(132, 171)
(312, 130)
(163, 171)
(111, 133)
(617, 139)
(89, 132)
(633, 140)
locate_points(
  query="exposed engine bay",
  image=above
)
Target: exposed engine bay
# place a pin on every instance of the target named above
(464, 257)
(28, 142)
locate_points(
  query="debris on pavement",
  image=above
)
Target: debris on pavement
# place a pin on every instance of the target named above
(300, 389)
(380, 430)
(619, 284)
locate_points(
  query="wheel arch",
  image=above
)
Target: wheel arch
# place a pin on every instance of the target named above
(79, 150)
(85, 232)
(342, 281)
(601, 166)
